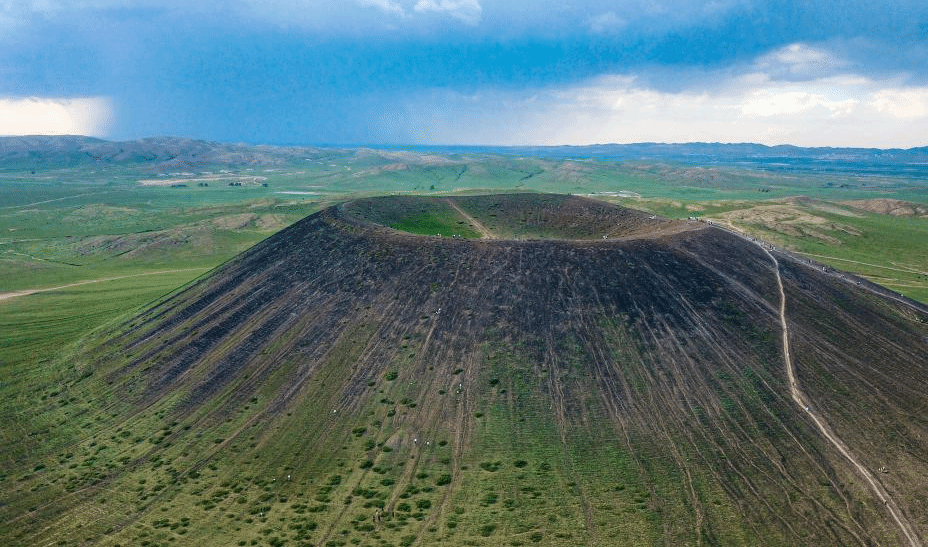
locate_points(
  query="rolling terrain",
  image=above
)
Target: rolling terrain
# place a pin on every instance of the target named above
(484, 370)
(76, 209)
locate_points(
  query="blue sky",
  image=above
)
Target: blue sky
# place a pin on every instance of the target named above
(847, 73)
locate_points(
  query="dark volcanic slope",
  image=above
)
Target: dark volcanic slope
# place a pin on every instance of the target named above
(505, 392)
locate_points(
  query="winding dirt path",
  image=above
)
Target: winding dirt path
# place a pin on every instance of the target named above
(486, 233)
(49, 201)
(897, 269)
(14, 294)
(800, 398)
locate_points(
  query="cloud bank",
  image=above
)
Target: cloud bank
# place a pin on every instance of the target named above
(779, 98)
(36, 116)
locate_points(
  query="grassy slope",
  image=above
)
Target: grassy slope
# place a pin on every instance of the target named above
(887, 250)
(41, 333)
(434, 217)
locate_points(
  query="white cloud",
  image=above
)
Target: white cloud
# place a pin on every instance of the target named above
(834, 109)
(799, 61)
(386, 5)
(468, 11)
(801, 54)
(766, 102)
(902, 103)
(607, 23)
(75, 116)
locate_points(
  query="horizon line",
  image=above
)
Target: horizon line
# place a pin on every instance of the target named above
(446, 145)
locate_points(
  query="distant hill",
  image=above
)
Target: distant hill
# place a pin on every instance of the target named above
(726, 150)
(162, 153)
(911, 162)
(167, 153)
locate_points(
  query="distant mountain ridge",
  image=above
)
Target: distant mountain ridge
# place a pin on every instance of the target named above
(733, 149)
(163, 152)
(178, 152)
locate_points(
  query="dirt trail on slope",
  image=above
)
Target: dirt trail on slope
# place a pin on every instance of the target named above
(486, 233)
(907, 270)
(14, 294)
(800, 398)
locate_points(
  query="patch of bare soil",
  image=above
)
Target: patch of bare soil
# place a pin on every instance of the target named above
(249, 220)
(414, 158)
(892, 207)
(98, 213)
(791, 220)
(197, 179)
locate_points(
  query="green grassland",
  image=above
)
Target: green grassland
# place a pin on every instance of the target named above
(432, 218)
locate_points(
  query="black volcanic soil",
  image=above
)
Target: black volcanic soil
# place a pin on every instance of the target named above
(645, 371)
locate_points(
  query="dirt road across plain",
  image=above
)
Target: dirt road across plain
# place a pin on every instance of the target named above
(14, 294)
(487, 234)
